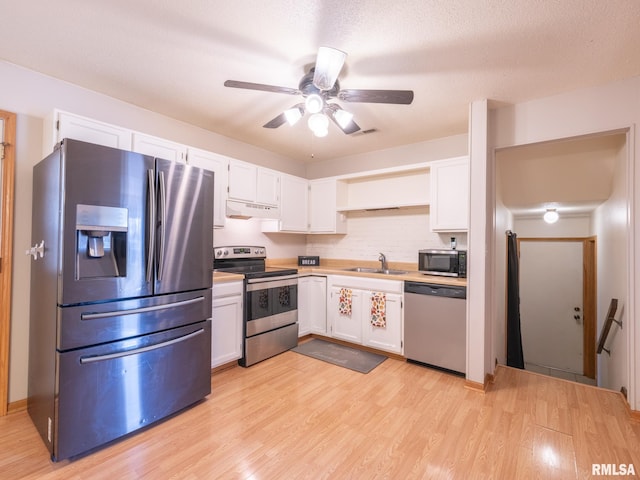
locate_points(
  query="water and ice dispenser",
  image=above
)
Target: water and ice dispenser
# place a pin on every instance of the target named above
(101, 241)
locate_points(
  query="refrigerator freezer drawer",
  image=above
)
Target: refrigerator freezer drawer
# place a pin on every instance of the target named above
(110, 390)
(85, 325)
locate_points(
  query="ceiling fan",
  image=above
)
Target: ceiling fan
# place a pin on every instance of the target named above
(319, 86)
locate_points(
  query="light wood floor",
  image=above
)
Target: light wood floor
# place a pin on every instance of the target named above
(294, 417)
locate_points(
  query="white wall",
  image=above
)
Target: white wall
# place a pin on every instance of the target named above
(608, 108)
(32, 97)
(610, 225)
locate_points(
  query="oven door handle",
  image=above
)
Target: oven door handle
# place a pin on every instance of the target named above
(273, 282)
(273, 279)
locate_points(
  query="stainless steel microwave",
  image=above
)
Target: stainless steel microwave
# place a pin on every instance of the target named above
(448, 263)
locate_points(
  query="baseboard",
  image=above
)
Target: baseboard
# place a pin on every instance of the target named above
(634, 414)
(17, 406)
(480, 387)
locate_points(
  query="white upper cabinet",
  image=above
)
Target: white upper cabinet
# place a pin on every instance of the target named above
(159, 147)
(243, 181)
(450, 195)
(60, 125)
(219, 164)
(250, 183)
(294, 198)
(267, 186)
(323, 198)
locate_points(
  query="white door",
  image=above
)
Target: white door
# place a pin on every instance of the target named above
(551, 315)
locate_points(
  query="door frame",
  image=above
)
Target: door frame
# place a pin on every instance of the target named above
(589, 296)
(6, 252)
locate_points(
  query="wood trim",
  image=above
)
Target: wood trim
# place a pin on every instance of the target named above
(6, 253)
(17, 406)
(589, 307)
(480, 387)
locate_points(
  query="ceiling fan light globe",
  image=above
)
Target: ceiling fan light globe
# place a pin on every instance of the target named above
(314, 103)
(328, 66)
(321, 133)
(318, 123)
(293, 115)
(343, 118)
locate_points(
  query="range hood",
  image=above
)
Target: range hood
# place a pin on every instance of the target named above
(238, 209)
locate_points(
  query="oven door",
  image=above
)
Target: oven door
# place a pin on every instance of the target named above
(270, 303)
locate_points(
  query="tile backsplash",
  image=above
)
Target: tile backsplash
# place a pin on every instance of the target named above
(399, 234)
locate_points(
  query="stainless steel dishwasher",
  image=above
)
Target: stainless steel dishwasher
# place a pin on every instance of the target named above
(435, 325)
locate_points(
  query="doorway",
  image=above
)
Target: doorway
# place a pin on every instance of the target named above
(585, 179)
(7, 173)
(558, 305)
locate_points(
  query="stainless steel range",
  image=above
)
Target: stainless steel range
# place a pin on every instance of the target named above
(270, 302)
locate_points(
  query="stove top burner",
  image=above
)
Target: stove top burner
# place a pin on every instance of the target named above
(246, 260)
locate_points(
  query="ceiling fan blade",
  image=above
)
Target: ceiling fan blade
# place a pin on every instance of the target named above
(328, 66)
(402, 97)
(262, 87)
(333, 111)
(276, 122)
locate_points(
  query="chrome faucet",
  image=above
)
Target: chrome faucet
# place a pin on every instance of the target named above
(382, 259)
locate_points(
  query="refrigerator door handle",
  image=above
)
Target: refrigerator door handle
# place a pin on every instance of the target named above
(151, 224)
(111, 356)
(136, 311)
(163, 224)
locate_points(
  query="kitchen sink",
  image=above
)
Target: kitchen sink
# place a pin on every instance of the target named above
(375, 270)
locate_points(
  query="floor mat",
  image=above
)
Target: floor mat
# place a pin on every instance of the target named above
(340, 355)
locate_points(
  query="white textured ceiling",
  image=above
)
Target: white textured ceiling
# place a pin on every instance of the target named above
(172, 57)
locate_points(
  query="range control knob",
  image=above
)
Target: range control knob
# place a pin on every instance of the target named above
(218, 253)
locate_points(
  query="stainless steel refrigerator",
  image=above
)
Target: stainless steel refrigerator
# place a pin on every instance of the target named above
(120, 332)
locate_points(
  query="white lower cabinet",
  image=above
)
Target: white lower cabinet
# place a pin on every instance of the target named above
(389, 337)
(346, 326)
(312, 305)
(357, 327)
(226, 323)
